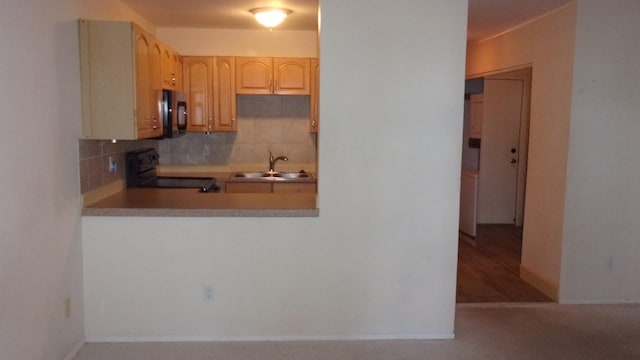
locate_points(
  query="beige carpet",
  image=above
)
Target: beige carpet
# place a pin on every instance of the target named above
(526, 331)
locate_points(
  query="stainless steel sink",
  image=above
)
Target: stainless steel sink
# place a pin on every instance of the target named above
(295, 175)
(249, 175)
(272, 175)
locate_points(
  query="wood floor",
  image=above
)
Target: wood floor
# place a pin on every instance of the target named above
(488, 267)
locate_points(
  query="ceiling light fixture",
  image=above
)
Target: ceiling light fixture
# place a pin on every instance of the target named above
(269, 16)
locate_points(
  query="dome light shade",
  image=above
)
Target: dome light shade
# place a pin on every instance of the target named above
(270, 17)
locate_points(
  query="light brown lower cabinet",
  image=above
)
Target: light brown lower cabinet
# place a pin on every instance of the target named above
(247, 187)
(242, 187)
(294, 188)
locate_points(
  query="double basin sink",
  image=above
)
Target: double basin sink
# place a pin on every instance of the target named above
(272, 176)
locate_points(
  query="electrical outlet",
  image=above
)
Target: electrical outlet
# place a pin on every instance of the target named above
(207, 293)
(67, 307)
(610, 264)
(113, 165)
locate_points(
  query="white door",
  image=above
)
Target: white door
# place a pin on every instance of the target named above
(499, 151)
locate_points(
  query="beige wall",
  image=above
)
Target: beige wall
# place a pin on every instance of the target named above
(113, 10)
(601, 251)
(547, 45)
(206, 42)
(379, 262)
(40, 240)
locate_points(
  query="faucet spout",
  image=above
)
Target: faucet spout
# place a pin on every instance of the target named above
(273, 161)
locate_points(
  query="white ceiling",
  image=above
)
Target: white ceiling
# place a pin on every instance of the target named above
(224, 14)
(486, 17)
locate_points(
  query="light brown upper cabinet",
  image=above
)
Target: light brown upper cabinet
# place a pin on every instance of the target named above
(151, 125)
(198, 78)
(120, 79)
(171, 69)
(314, 98)
(263, 75)
(209, 83)
(224, 94)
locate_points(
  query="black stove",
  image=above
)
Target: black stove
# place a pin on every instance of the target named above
(141, 172)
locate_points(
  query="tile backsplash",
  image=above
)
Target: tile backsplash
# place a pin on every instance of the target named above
(265, 123)
(94, 161)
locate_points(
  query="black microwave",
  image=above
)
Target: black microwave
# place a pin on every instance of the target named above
(173, 110)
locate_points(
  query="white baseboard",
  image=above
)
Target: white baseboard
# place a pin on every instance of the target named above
(74, 351)
(102, 339)
(600, 302)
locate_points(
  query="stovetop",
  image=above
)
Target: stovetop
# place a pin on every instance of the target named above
(141, 172)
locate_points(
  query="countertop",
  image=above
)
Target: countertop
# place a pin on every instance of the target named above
(191, 203)
(225, 176)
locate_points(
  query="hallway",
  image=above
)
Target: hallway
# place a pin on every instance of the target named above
(488, 267)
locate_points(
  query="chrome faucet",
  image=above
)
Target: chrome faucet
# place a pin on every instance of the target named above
(272, 161)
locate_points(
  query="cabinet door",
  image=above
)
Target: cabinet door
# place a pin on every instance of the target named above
(475, 115)
(197, 84)
(143, 85)
(177, 60)
(224, 94)
(291, 76)
(254, 75)
(314, 101)
(169, 72)
(294, 188)
(241, 187)
(155, 92)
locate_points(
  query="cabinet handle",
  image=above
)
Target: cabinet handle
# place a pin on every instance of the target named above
(154, 127)
(270, 85)
(276, 87)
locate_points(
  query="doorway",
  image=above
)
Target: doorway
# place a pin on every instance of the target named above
(495, 146)
(504, 149)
